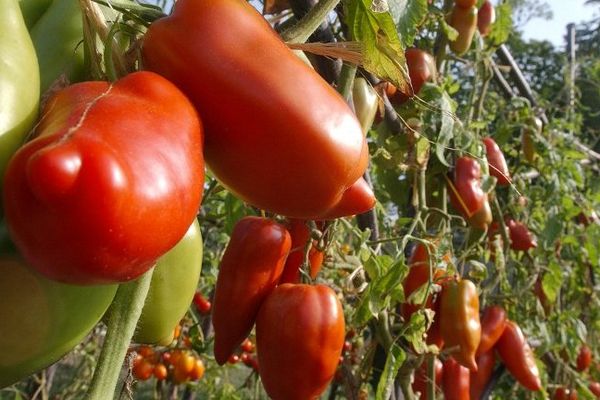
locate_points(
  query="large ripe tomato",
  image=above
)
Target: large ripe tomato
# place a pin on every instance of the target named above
(112, 181)
(277, 135)
(518, 357)
(299, 340)
(42, 320)
(248, 272)
(19, 82)
(172, 289)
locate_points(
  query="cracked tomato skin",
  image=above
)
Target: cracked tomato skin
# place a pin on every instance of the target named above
(299, 340)
(42, 320)
(111, 182)
(277, 135)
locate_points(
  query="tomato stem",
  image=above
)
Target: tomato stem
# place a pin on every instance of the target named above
(123, 315)
(300, 32)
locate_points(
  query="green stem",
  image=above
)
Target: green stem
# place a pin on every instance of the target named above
(122, 320)
(300, 32)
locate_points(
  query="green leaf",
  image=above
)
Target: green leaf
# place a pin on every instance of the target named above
(395, 358)
(502, 28)
(552, 281)
(446, 132)
(383, 53)
(553, 230)
(408, 14)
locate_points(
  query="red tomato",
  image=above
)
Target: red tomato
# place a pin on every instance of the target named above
(421, 380)
(160, 372)
(493, 322)
(249, 270)
(466, 194)
(595, 389)
(421, 68)
(486, 17)
(584, 358)
(202, 304)
(518, 357)
(300, 235)
(497, 162)
(198, 371)
(520, 237)
(277, 135)
(299, 339)
(455, 380)
(247, 346)
(142, 369)
(563, 393)
(111, 182)
(479, 380)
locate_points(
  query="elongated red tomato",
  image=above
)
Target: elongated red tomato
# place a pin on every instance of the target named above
(299, 339)
(466, 194)
(250, 269)
(486, 16)
(455, 380)
(518, 357)
(493, 322)
(111, 182)
(584, 358)
(478, 380)
(464, 20)
(498, 167)
(277, 135)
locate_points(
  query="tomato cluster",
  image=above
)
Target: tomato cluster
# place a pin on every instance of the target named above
(177, 365)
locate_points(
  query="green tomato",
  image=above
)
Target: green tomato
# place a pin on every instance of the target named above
(58, 40)
(33, 10)
(19, 82)
(365, 103)
(172, 289)
(42, 320)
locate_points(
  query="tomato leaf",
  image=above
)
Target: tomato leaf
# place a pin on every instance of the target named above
(409, 15)
(502, 28)
(552, 281)
(395, 358)
(383, 53)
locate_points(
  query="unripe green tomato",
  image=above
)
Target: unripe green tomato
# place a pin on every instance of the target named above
(173, 285)
(365, 103)
(33, 10)
(58, 40)
(19, 82)
(41, 320)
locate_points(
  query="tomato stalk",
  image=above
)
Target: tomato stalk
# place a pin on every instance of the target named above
(122, 320)
(300, 32)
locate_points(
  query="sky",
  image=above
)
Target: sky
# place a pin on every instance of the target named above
(565, 12)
